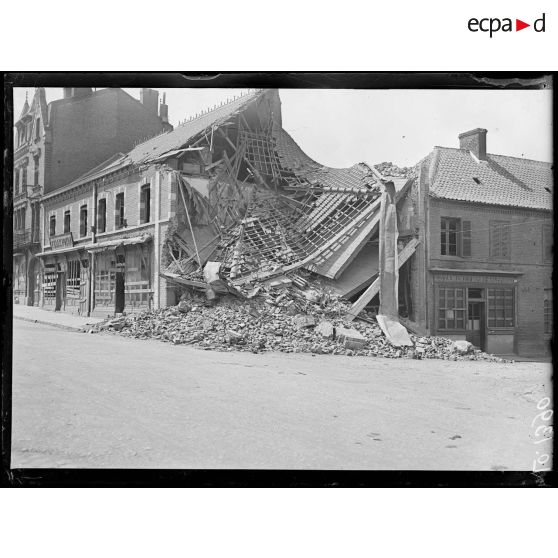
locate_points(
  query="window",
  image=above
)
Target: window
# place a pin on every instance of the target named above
(145, 204)
(16, 182)
(102, 216)
(38, 129)
(67, 218)
(547, 243)
(501, 308)
(455, 237)
(451, 308)
(52, 225)
(500, 240)
(119, 211)
(24, 178)
(36, 171)
(548, 311)
(83, 220)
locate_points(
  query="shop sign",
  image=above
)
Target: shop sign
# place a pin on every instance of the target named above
(65, 240)
(477, 279)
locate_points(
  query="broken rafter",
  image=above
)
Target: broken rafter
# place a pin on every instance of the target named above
(374, 288)
(182, 185)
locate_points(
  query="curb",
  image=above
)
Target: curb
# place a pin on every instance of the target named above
(53, 324)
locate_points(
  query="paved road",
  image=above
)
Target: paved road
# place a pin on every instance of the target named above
(98, 400)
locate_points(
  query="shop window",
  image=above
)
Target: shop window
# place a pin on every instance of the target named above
(52, 225)
(548, 311)
(451, 309)
(455, 237)
(102, 215)
(67, 221)
(501, 308)
(145, 204)
(83, 220)
(500, 240)
(547, 243)
(73, 280)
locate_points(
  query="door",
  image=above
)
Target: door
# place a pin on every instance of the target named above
(119, 293)
(476, 331)
(60, 286)
(83, 290)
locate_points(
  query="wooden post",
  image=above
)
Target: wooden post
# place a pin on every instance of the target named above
(181, 185)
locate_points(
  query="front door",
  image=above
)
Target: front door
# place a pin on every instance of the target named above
(476, 333)
(60, 287)
(119, 293)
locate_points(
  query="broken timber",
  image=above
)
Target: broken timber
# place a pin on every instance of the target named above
(374, 288)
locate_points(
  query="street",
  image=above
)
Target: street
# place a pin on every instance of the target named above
(104, 401)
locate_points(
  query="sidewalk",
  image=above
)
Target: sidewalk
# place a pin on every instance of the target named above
(57, 319)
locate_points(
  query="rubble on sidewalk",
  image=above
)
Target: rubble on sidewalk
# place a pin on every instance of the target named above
(278, 318)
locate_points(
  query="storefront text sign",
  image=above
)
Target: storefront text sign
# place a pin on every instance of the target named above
(456, 278)
(65, 240)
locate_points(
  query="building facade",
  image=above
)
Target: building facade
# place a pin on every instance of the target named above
(483, 269)
(57, 142)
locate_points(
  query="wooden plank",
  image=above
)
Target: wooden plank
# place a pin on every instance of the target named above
(373, 289)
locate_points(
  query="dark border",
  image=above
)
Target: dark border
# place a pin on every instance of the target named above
(234, 477)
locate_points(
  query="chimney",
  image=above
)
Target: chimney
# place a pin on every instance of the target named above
(474, 141)
(164, 109)
(149, 98)
(76, 92)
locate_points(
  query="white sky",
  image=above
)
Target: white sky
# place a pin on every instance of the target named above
(341, 127)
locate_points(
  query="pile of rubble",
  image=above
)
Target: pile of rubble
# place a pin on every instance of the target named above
(276, 318)
(389, 169)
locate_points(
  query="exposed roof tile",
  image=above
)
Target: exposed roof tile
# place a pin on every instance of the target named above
(500, 180)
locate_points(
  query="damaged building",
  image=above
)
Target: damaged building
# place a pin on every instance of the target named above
(227, 202)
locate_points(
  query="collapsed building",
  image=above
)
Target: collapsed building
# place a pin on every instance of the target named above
(228, 202)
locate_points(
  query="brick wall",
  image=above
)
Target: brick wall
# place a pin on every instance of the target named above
(526, 257)
(89, 130)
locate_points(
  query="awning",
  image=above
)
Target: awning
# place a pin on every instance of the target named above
(111, 244)
(79, 247)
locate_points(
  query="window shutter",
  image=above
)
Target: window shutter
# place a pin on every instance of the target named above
(547, 242)
(466, 239)
(506, 240)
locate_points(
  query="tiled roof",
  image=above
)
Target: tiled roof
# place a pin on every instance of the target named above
(500, 180)
(158, 145)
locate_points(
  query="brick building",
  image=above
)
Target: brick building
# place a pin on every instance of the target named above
(56, 142)
(104, 234)
(483, 268)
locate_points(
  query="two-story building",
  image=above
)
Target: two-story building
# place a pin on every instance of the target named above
(56, 142)
(483, 268)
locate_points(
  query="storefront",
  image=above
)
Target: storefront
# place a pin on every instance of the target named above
(122, 277)
(478, 306)
(65, 282)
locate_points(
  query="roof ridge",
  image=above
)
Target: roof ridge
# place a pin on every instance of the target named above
(218, 106)
(496, 155)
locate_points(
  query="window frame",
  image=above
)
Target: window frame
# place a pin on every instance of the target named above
(145, 204)
(67, 221)
(492, 307)
(463, 237)
(101, 215)
(444, 308)
(83, 210)
(52, 226)
(119, 210)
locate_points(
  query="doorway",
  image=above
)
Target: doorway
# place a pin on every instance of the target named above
(476, 331)
(60, 285)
